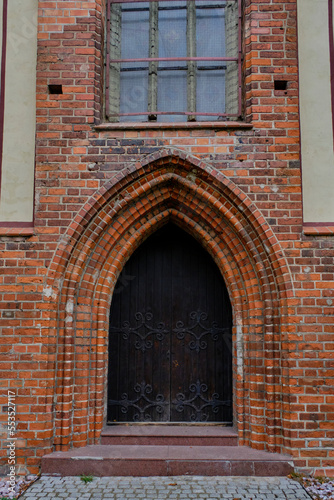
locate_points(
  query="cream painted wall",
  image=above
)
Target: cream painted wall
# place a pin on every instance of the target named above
(315, 111)
(18, 161)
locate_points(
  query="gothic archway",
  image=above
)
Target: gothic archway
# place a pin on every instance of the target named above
(169, 186)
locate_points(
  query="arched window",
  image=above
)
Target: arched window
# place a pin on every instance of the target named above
(174, 60)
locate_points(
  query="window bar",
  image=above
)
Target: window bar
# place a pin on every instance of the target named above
(137, 1)
(153, 64)
(148, 59)
(174, 68)
(197, 113)
(191, 52)
(114, 64)
(175, 8)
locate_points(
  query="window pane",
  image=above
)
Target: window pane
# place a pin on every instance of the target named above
(210, 29)
(172, 84)
(133, 94)
(172, 30)
(135, 29)
(133, 76)
(210, 93)
(172, 94)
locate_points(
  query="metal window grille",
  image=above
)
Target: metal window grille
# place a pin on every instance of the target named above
(149, 71)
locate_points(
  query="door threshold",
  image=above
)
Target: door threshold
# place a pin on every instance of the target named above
(178, 424)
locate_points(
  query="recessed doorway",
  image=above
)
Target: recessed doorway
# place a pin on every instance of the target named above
(170, 341)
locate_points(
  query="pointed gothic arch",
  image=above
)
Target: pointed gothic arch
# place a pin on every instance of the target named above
(168, 186)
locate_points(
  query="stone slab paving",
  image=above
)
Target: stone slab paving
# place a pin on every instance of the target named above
(176, 487)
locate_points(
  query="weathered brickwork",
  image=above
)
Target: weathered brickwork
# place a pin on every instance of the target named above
(101, 190)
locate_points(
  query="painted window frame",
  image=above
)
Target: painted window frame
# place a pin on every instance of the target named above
(233, 79)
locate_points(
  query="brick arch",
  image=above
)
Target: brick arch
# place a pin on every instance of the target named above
(168, 185)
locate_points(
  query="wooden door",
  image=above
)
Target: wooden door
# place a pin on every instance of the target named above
(170, 357)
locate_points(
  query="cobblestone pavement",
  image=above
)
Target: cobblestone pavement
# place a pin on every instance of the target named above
(179, 488)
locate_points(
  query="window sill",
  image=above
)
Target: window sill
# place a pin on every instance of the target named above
(319, 229)
(16, 231)
(173, 125)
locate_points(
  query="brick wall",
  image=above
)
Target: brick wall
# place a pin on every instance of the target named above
(100, 191)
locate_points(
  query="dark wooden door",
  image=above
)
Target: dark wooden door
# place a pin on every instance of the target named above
(170, 357)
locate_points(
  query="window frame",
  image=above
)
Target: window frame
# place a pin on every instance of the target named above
(151, 114)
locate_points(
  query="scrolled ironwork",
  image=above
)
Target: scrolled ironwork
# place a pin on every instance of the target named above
(198, 402)
(198, 318)
(144, 339)
(142, 403)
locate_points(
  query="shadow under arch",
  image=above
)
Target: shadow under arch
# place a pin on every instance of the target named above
(168, 186)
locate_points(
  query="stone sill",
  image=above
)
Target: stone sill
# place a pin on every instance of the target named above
(172, 125)
(16, 231)
(310, 229)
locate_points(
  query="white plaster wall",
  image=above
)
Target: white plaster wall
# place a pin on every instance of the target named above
(17, 180)
(315, 111)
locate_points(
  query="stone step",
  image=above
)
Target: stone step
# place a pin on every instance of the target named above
(134, 460)
(196, 435)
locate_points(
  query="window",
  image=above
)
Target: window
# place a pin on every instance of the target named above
(173, 60)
